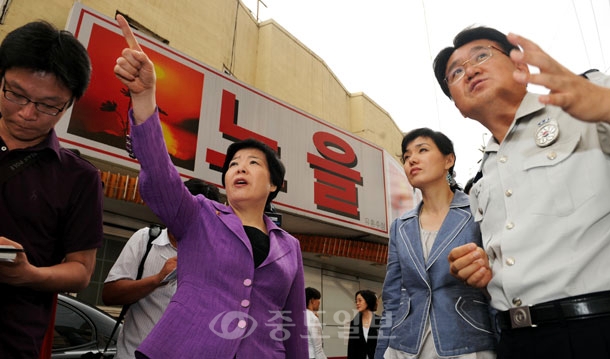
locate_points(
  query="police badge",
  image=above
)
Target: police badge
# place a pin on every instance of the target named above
(547, 132)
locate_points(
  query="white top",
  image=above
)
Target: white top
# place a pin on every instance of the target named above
(314, 336)
(144, 314)
(427, 240)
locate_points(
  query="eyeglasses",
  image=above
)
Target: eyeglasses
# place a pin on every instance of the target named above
(480, 55)
(40, 106)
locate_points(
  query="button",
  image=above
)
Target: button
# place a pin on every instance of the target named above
(241, 324)
(551, 155)
(510, 225)
(510, 261)
(509, 192)
(503, 159)
(247, 282)
(517, 301)
(245, 303)
(4, 148)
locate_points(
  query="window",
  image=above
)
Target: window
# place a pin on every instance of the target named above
(72, 329)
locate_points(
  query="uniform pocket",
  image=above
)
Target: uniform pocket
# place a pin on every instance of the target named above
(567, 186)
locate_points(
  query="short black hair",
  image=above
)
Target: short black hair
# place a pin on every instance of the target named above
(311, 293)
(441, 141)
(464, 37)
(369, 297)
(276, 167)
(40, 46)
(197, 186)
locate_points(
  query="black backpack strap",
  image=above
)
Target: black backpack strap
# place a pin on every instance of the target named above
(584, 74)
(154, 231)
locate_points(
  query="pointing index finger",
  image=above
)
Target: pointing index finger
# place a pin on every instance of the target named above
(128, 34)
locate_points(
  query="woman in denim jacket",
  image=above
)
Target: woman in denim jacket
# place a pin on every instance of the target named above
(427, 312)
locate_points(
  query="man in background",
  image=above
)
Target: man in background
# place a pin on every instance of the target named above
(150, 295)
(314, 327)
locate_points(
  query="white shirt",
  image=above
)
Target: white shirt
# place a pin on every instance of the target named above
(545, 211)
(314, 336)
(144, 314)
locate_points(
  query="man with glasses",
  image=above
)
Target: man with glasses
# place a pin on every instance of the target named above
(50, 198)
(541, 196)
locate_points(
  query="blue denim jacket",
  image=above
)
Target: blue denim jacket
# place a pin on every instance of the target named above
(415, 291)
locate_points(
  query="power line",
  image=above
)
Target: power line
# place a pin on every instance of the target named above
(438, 114)
(582, 36)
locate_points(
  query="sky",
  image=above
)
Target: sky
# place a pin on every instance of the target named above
(385, 49)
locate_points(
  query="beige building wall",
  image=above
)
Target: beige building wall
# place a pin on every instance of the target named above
(224, 35)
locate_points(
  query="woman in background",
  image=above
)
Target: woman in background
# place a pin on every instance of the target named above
(364, 327)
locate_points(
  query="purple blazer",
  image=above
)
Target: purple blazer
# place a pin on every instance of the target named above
(223, 306)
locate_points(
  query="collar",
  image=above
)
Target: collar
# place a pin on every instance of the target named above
(528, 106)
(226, 209)
(163, 239)
(51, 142)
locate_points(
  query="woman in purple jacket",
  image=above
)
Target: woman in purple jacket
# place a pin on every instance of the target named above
(240, 277)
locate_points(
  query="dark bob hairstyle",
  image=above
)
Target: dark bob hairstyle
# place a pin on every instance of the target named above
(441, 141)
(369, 297)
(276, 167)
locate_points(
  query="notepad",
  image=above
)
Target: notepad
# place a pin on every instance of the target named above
(171, 276)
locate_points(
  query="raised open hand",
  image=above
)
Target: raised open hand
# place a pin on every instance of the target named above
(573, 93)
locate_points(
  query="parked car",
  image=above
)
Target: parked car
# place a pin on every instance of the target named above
(80, 329)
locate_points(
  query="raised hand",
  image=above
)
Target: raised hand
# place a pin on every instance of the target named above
(573, 93)
(135, 70)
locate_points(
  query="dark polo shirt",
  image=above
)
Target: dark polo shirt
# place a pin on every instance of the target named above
(51, 208)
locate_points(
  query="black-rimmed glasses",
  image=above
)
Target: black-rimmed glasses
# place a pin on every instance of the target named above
(40, 106)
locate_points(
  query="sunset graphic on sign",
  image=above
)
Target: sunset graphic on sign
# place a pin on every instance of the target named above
(101, 114)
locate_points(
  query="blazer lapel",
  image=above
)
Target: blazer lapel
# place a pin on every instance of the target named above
(412, 243)
(232, 222)
(278, 247)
